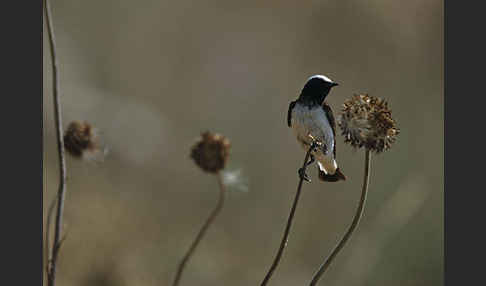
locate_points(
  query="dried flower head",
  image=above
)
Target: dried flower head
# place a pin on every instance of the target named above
(211, 152)
(367, 121)
(81, 138)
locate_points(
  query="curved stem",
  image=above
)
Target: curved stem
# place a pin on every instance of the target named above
(202, 231)
(284, 241)
(352, 227)
(51, 277)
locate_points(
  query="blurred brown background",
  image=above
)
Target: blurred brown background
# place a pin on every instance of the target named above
(151, 75)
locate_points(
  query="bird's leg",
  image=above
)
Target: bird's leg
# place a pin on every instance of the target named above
(301, 172)
(312, 160)
(303, 175)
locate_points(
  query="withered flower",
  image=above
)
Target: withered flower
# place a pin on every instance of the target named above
(81, 138)
(211, 152)
(366, 121)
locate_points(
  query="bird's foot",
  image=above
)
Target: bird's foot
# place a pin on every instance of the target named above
(303, 175)
(312, 160)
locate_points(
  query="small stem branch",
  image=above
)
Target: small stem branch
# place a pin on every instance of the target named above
(284, 241)
(51, 277)
(202, 231)
(352, 227)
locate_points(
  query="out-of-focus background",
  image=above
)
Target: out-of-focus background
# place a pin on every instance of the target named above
(151, 75)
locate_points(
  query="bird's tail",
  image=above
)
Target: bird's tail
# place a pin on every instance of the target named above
(337, 176)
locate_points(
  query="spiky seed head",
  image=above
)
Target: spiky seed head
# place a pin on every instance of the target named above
(211, 151)
(80, 138)
(366, 121)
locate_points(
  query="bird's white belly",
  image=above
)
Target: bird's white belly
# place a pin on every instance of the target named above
(314, 122)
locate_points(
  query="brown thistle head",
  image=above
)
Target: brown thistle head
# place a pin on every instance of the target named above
(211, 152)
(81, 138)
(366, 121)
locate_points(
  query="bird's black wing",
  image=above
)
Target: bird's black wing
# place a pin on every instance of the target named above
(289, 113)
(330, 117)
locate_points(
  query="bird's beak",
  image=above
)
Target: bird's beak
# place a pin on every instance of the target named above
(335, 84)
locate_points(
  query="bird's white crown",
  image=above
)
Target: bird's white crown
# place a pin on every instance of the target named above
(323, 77)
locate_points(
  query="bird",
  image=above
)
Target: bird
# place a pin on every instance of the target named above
(312, 120)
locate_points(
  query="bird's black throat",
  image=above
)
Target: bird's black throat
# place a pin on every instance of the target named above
(313, 95)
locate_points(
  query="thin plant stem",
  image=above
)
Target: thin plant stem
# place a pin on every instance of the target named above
(51, 277)
(352, 227)
(48, 231)
(284, 241)
(202, 231)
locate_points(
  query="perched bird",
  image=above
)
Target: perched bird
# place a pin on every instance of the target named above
(312, 119)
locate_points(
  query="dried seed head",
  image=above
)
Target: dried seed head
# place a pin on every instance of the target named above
(366, 121)
(80, 138)
(211, 152)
